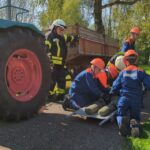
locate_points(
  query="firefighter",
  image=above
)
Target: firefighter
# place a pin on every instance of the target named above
(57, 44)
(129, 42)
(105, 104)
(129, 85)
(89, 85)
(85, 87)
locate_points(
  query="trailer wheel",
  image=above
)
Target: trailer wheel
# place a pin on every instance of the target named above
(24, 73)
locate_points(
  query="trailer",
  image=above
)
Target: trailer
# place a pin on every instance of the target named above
(90, 45)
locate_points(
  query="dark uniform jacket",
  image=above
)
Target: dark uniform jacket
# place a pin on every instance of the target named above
(58, 47)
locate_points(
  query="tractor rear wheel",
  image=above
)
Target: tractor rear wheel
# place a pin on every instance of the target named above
(24, 73)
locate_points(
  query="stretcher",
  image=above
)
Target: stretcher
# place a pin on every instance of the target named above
(81, 113)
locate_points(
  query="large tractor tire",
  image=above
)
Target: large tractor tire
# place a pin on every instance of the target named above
(24, 73)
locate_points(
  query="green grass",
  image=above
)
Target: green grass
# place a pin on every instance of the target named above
(142, 143)
(146, 68)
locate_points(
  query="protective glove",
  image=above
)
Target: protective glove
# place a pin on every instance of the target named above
(76, 37)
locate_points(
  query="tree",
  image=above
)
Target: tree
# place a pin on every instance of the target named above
(137, 15)
(53, 10)
(69, 11)
(24, 16)
(98, 7)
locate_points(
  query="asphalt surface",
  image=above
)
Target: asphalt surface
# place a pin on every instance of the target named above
(52, 130)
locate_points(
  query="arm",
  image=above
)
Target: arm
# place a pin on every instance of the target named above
(116, 84)
(125, 47)
(71, 38)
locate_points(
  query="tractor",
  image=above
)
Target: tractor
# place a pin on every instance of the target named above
(24, 67)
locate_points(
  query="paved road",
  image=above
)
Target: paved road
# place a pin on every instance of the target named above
(51, 130)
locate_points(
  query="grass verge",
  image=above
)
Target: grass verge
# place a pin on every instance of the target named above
(146, 68)
(142, 143)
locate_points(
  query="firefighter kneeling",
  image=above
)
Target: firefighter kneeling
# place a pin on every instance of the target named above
(90, 85)
(105, 104)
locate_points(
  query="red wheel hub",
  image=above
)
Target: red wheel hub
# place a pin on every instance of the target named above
(23, 75)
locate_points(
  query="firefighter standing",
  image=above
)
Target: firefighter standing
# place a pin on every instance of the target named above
(57, 43)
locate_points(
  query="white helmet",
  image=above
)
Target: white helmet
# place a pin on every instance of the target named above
(119, 63)
(58, 23)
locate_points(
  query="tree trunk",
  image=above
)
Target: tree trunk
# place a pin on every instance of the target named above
(98, 16)
(110, 23)
(98, 7)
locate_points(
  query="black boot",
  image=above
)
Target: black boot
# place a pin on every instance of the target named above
(135, 128)
(60, 98)
(124, 129)
(66, 102)
(52, 98)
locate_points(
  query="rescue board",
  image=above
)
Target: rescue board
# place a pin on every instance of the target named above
(81, 113)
